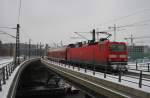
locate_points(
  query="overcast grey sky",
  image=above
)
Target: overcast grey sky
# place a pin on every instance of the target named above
(49, 21)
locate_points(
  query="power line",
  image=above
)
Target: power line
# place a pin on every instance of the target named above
(7, 34)
(138, 23)
(132, 14)
(128, 25)
(7, 28)
(129, 15)
(132, 38)
(81, 35)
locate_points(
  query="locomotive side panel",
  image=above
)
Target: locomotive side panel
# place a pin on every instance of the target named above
(79, 54)
(100, 54)
(91, 54)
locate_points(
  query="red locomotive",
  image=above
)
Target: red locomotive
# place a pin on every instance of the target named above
(102, 54)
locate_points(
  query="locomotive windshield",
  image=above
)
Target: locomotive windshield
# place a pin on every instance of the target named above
(117, 47)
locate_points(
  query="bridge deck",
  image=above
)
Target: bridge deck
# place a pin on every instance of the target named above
(93, 84)
(98, 85)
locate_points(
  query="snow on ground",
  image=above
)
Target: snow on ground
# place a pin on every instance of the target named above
(5, 88)
(5, 61)
(140, 66)
(137, 71)
(126, 81)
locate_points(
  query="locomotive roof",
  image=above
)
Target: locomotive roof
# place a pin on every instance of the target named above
(118, 42)
(63, 48)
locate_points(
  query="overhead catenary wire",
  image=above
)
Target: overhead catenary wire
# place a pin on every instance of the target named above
(127, 16)
(7, 34)
(132, 14)
(131, 38)
(7, 28)
(138, 23)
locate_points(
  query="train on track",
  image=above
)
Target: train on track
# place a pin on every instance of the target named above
(101, 55)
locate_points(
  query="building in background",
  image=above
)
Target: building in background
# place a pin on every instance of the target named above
(138, 52)
(8, 49)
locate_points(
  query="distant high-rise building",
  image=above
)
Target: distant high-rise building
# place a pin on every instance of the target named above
(138, 52)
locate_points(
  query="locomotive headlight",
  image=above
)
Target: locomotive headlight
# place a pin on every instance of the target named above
(112, 56)
(123, 56)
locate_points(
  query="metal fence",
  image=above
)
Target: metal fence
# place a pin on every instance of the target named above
(105, 74)
(5, 72)
(139, 66)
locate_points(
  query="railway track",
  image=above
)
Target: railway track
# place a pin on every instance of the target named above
(134, 74)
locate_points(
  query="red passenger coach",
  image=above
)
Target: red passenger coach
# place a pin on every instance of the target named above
(57, 53)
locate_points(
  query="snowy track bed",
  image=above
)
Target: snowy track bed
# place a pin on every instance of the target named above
(129, 81)
(136, 73)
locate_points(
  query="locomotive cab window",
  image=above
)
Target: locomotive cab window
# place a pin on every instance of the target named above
(117, 47)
